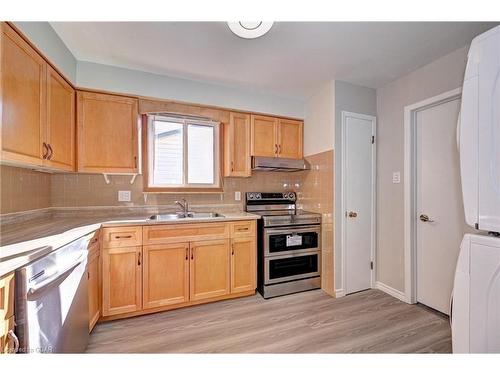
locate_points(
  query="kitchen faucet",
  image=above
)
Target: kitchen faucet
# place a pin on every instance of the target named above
(184, 205)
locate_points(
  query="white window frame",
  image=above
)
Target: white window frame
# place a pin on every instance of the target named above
(185, 121)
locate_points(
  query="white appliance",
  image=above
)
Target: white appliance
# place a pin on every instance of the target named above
(476, 295)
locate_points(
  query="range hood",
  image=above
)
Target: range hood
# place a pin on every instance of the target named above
(260, 163)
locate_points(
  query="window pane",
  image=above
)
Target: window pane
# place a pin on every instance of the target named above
(200, 154)
(168, 153)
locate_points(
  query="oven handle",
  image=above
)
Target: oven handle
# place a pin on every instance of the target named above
(293, 229)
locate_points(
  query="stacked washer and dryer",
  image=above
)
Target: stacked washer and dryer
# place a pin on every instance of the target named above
(476, 295)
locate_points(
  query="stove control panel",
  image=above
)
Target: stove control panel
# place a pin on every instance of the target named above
(276, 197)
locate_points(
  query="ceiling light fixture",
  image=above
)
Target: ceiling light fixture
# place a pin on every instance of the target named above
(250, 30)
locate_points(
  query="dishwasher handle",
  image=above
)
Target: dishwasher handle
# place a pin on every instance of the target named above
(56, 277)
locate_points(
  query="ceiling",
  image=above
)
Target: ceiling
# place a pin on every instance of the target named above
(293, 59)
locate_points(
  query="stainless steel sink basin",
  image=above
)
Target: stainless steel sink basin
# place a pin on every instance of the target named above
(181, 215)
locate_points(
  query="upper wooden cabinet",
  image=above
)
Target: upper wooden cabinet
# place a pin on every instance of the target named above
(38, 108)
(237, 162)
(107, 133)
(276, 137)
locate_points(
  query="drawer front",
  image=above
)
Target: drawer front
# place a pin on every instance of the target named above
(121, 237)
(158, 234)
(243, 229)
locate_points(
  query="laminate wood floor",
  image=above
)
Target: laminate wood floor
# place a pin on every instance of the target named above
(310, 322)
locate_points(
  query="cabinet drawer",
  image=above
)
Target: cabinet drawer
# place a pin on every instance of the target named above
(243, 229)
(121, 237)
(157, 234)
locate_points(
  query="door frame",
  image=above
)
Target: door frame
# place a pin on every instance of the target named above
(410, 184)
(373, 119)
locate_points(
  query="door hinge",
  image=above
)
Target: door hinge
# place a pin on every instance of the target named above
(371, 265)
(373, 139)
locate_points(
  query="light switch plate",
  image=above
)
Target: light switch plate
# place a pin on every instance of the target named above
(237, 195)
(124, 196)
(396, 177)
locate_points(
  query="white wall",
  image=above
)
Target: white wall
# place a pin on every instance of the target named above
(111, 78)
(437, 77)
(43, 36)
(357, 99)
(319, 124)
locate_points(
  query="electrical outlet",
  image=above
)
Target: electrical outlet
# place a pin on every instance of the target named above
(124, 196)
(237, 195)
(396, 177)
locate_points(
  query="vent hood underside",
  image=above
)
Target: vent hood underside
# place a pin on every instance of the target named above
(260, 163)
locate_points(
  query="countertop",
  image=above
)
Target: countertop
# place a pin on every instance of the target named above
(24, 242)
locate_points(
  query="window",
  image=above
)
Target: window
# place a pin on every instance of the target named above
(183, 153)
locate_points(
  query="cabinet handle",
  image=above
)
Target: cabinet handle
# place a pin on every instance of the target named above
(13, 336)
(187, 253)
(232, 249)
(232, 166)
(192, 253)
(49, 157)
(138, 259)
(118, 237)
(276, 149)
(242, 229)
(45, 150)
(135, 161)
(279, 149)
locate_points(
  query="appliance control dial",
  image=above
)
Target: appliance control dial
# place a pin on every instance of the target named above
(251, 195)
(291, 195)
(258, 196)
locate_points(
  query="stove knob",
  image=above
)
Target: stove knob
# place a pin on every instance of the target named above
(285, 195)
(258, 196)
(251, 195)
(291, 195)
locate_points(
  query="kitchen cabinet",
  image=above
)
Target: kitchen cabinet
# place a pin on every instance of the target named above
(38, 108)
(94, 284)
(243, 264)
(263, 136)
(107, 133)
(276, 137)
(209, 269)
(7, 340)
(165, 275)
(121, 280)
(60, 133)
(237, 162)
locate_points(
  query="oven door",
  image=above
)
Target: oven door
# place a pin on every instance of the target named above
(282, 268)
(291, 240)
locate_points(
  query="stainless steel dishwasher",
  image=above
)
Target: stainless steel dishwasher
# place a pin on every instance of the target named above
(52, 301)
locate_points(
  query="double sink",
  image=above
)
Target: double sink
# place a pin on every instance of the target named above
(182, 215)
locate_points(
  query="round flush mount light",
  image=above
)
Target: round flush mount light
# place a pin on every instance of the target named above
(250, 30)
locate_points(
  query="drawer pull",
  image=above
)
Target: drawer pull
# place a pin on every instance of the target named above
(242, 229)
(119, 237)
(187, 253)
(138, 259)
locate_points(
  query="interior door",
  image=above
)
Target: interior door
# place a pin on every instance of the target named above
(358, 200)
(440, 222)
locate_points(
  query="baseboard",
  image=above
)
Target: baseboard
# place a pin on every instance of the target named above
(339, 293)
(391, 291)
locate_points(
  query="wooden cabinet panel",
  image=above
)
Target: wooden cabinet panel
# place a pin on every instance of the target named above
(121, 237)
(171, 233)
(165, 275)
(6, 296)
(290, 139)
(107, 133)
(23, 100)
(122, 280)
(60, 135)
(237, 146)
(7, 344)
(264, 136)
(243, 229)
(209, 269)
(94, 285)
(243, 264)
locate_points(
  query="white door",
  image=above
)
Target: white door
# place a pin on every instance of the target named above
(440, 221)
(358, 189)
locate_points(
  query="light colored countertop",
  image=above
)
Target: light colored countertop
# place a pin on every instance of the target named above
(24, 242)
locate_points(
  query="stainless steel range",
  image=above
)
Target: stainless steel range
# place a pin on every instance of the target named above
(289, 244)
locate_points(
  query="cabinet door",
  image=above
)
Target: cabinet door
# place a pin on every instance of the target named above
(290, 139)
(237, 142)
(6, 296)
(121, 280)
(23, 100)
(264, 137)
(107, 133)
(209, 269)
(7, 342)
(60, 122)
(165, 275)
(243, 264)
(94, 283)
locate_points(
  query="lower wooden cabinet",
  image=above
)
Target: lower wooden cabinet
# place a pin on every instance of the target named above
(93, 274)
(243, 264)
(121, 280)
(7, 340)
(209, 269)
(165, 275)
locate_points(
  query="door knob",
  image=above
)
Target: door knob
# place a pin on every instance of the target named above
(425, 218)
(352, 214)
